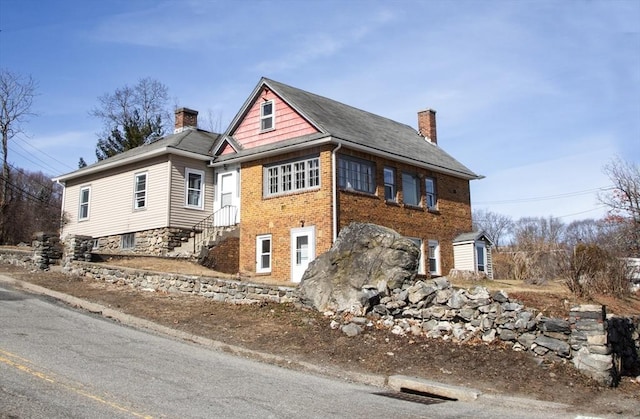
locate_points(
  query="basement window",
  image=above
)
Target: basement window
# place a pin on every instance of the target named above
(128, 241)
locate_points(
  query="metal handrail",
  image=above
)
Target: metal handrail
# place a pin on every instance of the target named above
(226, 216)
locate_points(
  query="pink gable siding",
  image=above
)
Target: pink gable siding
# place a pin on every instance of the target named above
(227, 149)
(288, 124)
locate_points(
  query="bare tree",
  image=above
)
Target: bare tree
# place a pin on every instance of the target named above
(132, 116)
(497, 226)
(16, 98)
(624, 200)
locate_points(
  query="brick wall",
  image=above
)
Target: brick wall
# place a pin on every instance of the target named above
(278, 215)
(224, 257)
(453, 215)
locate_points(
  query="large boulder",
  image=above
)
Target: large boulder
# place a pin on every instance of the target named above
(365, 263)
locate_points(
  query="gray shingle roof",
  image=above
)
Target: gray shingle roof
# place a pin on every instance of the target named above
(472, 236)
(351, 125)
(189, 141)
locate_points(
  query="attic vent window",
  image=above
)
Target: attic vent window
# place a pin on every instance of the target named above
(267, 114)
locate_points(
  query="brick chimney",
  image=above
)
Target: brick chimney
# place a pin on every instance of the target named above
(185, 119)
(427, 125)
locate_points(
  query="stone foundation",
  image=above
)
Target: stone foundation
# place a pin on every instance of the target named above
(156, 242)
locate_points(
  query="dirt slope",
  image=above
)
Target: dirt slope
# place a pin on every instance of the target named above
(305, 335)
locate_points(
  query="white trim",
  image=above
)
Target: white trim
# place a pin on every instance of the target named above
(131, 159)
(145, 191)
(88, 203)
(259, 240)
(188, 171)
(436, 245)
(348, 144)
(311, 249)
(271, 116)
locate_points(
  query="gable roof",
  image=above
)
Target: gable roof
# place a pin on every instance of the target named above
(472, 237)
(343, 124)
(189, 143)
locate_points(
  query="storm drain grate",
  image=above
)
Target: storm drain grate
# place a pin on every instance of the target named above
(414, 396)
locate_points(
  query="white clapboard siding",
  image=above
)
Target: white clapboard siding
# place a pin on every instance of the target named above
(464, 256)
(181, 215)
(111, 204)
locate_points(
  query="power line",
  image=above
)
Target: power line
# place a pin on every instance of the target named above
(546, 198)
(30, 197)
(46, 154)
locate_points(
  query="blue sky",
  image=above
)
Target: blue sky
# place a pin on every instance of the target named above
(535, 95)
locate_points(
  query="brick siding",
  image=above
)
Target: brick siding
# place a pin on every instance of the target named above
(278, 215)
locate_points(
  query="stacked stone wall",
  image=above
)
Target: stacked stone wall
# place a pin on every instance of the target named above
(218, 289)
(155, 242)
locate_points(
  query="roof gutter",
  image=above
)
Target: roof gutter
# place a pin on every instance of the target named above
(274, 152)
(125, 161)
(340, 141)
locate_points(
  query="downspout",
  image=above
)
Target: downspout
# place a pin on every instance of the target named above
(64, 194)
(335, 192)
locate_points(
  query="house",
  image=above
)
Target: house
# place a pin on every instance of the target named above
(289, 172)
(145, 200)
(472, 253)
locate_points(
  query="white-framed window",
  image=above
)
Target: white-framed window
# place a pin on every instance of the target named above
(128, 241)
(267, 115)
(418, 243)
(194, 188)
(410, 189)
(263, 253)
(434, 257)
(481, 257)
(431, 197)
(95, 244)
(83, 209)
(299, 175)
(356, 174)
(390, 184)
(140, 191)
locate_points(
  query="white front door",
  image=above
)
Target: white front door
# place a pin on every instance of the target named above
(303, 250)
(227, 200)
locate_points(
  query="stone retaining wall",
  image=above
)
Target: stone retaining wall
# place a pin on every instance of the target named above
(219, 289)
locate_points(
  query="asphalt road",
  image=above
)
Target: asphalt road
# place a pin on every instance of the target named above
(57, 362)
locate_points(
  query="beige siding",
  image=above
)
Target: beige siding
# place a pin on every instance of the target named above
(464, 257)
(181, 215)
(111, 204)
(489, 262)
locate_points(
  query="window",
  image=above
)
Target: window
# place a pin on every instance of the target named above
(410, 189)
(434, 257)
(140, 191)
(418, 243)
(481, 257)
(267, 116)
(95, 244)
(83, 211)
(263, 253)
(128, 241)
(390, 184)
(356, 174)
(194, 188)
(430, 188)
(292, 176)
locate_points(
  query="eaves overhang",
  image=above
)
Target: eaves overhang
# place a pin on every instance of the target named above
(346, 143)
(128, 160)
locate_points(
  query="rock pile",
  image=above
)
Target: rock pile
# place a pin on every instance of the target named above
(433, 308)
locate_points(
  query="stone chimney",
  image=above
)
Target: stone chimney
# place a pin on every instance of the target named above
(185, 119)
(427, 125)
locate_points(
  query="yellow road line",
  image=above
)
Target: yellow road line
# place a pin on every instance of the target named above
(4, 358)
